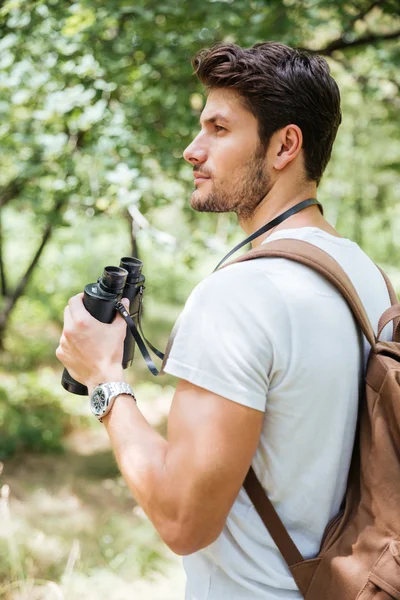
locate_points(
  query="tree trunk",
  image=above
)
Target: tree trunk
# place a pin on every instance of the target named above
(3, 280)
(133, 230)
(12, 299)
(358, 222)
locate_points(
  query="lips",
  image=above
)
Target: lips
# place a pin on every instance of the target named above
(198, 177)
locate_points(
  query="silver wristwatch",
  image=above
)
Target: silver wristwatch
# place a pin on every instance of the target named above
(103, 396)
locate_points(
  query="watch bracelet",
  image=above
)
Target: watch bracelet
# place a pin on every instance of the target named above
(120, 387)
(117, 388)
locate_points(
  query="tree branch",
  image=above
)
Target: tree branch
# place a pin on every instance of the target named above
(133, 230)
(363, 13)
(11, 190)
(342, 44)
(3, 281)
(14, 187)
(19, 290)
(363, 81)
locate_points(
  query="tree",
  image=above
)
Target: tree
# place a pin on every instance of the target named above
(97, 103)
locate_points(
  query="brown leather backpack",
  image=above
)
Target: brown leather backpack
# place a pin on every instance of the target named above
(359, 558)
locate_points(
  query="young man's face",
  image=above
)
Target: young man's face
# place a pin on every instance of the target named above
(228, 161)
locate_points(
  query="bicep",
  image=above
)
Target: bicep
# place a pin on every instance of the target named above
(212, 441)
(223, 355)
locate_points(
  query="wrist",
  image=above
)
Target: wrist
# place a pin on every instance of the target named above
(103, 397)
(106, 375)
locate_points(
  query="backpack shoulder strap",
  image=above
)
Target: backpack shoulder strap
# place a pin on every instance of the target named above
(394, 301)
(392, 293)
(271, 519)
(319, 260)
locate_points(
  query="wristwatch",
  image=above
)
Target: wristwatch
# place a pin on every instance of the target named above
(103, 396)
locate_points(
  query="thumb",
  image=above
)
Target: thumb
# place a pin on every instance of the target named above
(125, 302)
(120, 318)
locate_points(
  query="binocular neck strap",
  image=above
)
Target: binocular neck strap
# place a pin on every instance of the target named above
(279, 219)
(129, 321)
(138, 339)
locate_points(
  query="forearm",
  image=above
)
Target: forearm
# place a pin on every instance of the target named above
(155, 470)
(141, 455)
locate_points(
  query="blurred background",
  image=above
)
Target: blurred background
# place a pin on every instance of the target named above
(97, 103)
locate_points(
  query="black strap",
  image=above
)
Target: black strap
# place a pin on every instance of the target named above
(129, 321)
(141, 345)
(152, 348)
(277, 221)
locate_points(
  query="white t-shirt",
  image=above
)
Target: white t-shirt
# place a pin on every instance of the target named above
(276, 336)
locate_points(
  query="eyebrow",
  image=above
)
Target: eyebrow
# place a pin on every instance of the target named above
(214, 118)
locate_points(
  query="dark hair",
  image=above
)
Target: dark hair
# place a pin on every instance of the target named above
(280, 85)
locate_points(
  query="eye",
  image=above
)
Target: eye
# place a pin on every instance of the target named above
(218, 128)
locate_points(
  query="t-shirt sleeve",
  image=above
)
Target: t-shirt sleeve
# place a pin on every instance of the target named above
(226, 334)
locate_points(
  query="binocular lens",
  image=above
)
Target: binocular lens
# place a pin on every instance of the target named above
(113, 280)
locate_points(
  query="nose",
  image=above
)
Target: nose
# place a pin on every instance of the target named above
(195, 153)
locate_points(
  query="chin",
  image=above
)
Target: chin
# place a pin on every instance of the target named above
(209, 202)
(195, 200)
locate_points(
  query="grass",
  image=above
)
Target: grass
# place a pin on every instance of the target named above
(69, 527)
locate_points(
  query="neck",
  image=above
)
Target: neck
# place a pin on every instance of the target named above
(274, 204)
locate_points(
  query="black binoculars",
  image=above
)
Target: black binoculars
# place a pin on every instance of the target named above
(102, 300)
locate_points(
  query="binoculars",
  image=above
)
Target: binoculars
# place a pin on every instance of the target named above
(102, 300)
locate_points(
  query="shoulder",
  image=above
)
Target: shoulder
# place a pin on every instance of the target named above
(227, 335)
(243, 293)
(243, 282)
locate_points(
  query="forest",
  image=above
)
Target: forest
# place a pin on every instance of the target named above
(97, 103)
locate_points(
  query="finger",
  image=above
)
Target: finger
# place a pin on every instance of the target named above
(59, 353)
(79, 313)
(68, 321)
(119, 318)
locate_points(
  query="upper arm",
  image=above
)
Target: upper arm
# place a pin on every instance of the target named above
(212, 441)
(224, 355)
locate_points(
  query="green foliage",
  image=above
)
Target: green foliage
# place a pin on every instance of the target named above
(31, 418)
(97, 103)
(96, 106)
(34, 423)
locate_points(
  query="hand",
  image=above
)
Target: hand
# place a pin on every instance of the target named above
(91, 351)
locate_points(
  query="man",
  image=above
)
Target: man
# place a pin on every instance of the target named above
(259, 343)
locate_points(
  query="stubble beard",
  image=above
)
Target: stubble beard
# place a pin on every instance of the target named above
(241, 195)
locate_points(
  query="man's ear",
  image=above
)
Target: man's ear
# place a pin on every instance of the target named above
(286, 146)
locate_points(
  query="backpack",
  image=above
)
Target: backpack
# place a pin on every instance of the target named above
(359, 558)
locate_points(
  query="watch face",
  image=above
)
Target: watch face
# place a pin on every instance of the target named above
(99, 401)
